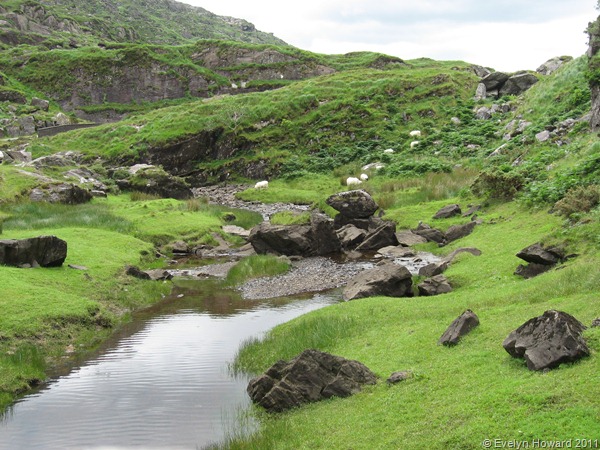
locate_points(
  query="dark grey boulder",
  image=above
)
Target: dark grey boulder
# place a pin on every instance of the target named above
(324, 238)
(44, 251)
(351, 236)
(547, 341)
(386, 279)
(461, 326)
(447, 212)
(340, 221)
(357, 204)
(553, 65)
(532, 270)
(456, 232)
(66, 193)
(494, 81)
(537, 254)
(431, 234)
(309, 377)
(433, 269)
(435, 285)
(518, 83)
(136, 272)
(407, 238)
(159, 274)
(382, 236)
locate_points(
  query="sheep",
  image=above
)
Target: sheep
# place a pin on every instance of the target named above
(389, 150)
(413, 144)
(261, 185)
(364, 177)
(352, 181)
(415, 133)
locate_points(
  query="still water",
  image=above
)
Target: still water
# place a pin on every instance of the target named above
(162, 383)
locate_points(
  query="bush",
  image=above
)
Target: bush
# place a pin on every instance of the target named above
(578, 200)
(497, 183)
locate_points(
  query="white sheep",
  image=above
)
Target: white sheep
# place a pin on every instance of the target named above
(415, 133)
(389, 151)
(413, 144)
(364, 176)
(352, 181)
(261, 185)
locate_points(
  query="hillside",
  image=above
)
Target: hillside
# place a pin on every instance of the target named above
(71, 23)
(215, 112)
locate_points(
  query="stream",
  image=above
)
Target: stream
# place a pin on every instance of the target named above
(162, 382)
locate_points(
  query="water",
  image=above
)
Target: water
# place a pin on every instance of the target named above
(162, 383)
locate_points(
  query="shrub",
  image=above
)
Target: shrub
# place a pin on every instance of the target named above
(497, 183)
(578, 200)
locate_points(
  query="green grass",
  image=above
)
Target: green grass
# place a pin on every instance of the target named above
(459, 396)
(256, 266)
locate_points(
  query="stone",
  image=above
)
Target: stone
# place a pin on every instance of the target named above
(518, 83)
(494, 81)
(447, 212)
(309, 377)
(351, 236)
(19, 156)
(537, 254)
(281, 239)
(180, 247)
(158, 274)
(553, 64)
(324, 240)
(456, 232)
(531, 270)
(76, 267)
(136, 272)
(543, 136)
(382, 236)
(595, 323)
(481, 92)
(98, 193)
(396, 251)
(435, 285)
(547, 341)
(356, 204)
(433, 269)
(399, 376)
(44, 105)
(236, 231)
(407, 238)
(461, 326)
(431, 234)
(44, 251)
(387, 279)
(472, 210)
(66, 193)
(483, 113)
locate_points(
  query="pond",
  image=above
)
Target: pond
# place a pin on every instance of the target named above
(162, 382)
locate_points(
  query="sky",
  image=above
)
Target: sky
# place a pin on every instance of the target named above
(506, 35)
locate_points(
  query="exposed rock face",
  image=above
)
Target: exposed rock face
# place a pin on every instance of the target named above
(497, 84)
(461, 326)
(387, 279)
(356, 204)
(547, 341)
(309, 377)
(45, 251)
(518, 84)
(69, 194)
(435, 285)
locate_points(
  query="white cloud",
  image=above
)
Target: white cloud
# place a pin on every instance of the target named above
(503, 34)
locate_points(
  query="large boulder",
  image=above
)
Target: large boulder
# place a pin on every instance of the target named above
(548, 341)
(386, 279)
(431, 234)
(324, 238)
(66, 193)
(461, 326)
(44, 251)
(456, 232)
(309, 377)
(448, 211)
(435, 285)
(382, 236)
(537, 254)
(553, 64)
(407, 238)
(357, 204)
(518, 83)
(351, 236)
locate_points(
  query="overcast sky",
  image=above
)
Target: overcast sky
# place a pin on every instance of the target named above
(506, 35)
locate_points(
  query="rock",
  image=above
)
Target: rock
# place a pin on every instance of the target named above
(44, 105)
(431, 234)
(19, 156)
(44, 251)
(67, 193)
(60, 159)
(324, 240)
(357, 204)
(408, 238)
(281, 239)
(537, 254)
(456, 232)
(461, 326)
(340, 221)
(547, 341)
(595, 323)
(494, 81)
(396, 251)
(472, 210)
(136, 272)
(435, 285)
(397, 377)
(531, 270)
(433, 269)
(553, 64)
(447, 212)
(481, 92)
(158, 274)
(351, 236)
(98, 193)
(236, 231)
(309, 377)
(180, 247)
(543, 136)
(382, 236)
(62, 119)
(518, 83)
(483, 113)
(387, 279)
(76, 267)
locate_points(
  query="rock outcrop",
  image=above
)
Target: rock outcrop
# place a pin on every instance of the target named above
(44, 251)
(66, 193)
(309, 377)
(540, 260)
(497, 84)
(547, 341)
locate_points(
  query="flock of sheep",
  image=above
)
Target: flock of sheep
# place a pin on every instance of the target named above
(353, 181)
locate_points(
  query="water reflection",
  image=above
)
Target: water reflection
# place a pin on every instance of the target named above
(162, 382)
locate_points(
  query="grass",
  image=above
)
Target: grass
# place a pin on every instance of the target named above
(256, 266)
(459, 396)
